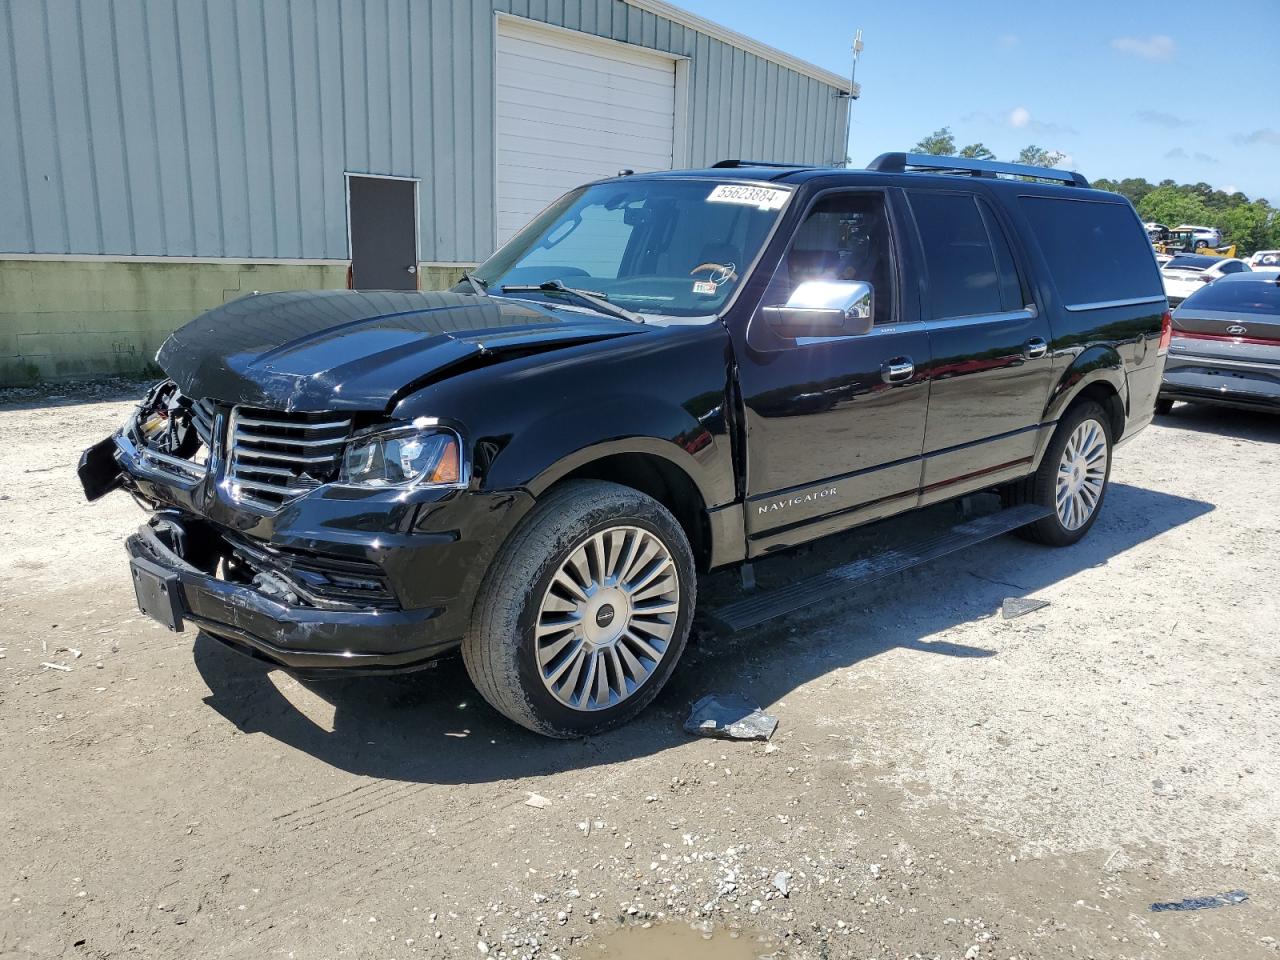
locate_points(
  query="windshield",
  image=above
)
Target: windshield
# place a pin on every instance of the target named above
(662, 247)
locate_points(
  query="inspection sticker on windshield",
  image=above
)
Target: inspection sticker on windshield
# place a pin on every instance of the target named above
(766, 198)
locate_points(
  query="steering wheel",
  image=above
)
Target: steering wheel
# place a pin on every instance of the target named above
(723, 272)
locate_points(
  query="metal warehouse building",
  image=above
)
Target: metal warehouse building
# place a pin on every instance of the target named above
(163, 156)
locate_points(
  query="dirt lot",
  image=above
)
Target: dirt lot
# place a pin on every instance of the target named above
(944, 783)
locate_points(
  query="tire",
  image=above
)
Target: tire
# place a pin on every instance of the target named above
(1042, 486)
(1164, 407)
(527, 606)
(1201, 244)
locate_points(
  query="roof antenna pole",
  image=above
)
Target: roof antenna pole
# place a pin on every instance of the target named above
(854, 93)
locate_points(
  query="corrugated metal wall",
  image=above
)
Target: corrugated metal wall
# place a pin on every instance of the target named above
(222, 128)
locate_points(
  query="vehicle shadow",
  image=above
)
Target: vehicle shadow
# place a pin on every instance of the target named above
(432, 727)
(1223, 421)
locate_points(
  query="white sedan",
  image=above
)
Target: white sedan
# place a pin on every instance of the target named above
(1187, 272)
(1265, 260)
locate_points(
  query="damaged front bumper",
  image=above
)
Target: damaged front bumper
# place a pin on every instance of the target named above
(337, 579)
(296, 636)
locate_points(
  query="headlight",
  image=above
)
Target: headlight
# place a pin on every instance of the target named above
(403, 456)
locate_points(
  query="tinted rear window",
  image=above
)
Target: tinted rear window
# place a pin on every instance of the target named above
(1096, 251)
(1190, 261)
(1242, 296)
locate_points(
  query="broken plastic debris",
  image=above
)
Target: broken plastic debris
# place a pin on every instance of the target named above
(536, 800)
(1020, 606)
(1203, 903)
(730, 717)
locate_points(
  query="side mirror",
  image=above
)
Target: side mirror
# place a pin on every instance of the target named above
(825, 308)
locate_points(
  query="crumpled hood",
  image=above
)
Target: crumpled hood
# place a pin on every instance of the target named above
(351, 350)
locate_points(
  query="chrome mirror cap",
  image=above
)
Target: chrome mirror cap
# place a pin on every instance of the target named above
(825, 308)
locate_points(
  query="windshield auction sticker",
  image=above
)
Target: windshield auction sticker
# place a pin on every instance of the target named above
(766, 198)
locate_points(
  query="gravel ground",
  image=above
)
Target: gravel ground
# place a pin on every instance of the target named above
(943, 783)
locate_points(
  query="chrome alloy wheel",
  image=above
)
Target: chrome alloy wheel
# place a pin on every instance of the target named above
(1082, 472)
(607, 618)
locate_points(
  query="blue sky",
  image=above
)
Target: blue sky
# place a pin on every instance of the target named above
(1189, 91)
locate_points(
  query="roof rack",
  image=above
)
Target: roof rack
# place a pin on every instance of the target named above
(762, 163)
(905, 162)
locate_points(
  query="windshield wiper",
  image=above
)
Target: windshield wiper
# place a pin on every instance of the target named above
(479, 287)
(593, 300)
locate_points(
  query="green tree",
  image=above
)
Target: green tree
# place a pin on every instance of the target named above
(1174, 205)
(977, 151)
(1135, 188)
(1251, 226)
(1039, 157)
(940, 143)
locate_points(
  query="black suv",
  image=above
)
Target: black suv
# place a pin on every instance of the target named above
(661, 374)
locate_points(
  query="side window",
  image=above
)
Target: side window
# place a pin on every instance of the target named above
(963, 281)
(1012, 296)
(1232, 267)
(1096, 250)
(844, 237)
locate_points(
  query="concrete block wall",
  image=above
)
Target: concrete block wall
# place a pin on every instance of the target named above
(67, 319)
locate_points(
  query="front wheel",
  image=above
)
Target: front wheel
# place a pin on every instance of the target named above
(1164, 407)
(1072, 478)
(584, 612)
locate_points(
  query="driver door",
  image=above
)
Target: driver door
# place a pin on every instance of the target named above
(835, 425)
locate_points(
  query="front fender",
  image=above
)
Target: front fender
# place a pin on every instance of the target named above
(545, 452)
(532, 420)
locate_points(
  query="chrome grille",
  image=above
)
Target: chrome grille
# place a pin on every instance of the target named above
(274, 457)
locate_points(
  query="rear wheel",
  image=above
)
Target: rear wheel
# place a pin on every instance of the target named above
(1072, 478)
(584, 612)
(1164, 407)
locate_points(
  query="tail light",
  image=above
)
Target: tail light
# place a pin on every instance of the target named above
(1205, 278)
(1166, 333)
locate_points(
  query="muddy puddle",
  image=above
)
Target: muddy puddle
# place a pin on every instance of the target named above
(678, 941)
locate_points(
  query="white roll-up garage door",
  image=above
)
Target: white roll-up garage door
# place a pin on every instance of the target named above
(573, 108)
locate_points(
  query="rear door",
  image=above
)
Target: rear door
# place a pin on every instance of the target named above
(991, 370)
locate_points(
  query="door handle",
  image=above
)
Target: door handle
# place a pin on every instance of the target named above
(897, 370)
(1035, 348)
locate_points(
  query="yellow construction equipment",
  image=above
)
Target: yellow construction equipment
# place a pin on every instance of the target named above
(1175, 246)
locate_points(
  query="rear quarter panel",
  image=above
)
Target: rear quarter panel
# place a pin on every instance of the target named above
(1115, 342)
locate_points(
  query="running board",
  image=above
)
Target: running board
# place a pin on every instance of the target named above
(753, 610)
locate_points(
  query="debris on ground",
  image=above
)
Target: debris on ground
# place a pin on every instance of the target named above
(1020, 606)
(537, 800)
(731, 717)
(782, 882)
(55, 666)
(1203, 903)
